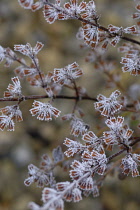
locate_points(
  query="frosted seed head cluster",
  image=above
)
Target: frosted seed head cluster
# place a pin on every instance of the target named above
(86, 151)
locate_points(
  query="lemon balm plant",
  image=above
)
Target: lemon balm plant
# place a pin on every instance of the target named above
(90, 160)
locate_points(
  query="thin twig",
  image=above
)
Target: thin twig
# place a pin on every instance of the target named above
(45, 96)
(121, 151)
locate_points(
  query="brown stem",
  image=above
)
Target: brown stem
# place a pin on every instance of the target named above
(38, 70)
(34, 97)
(77, 95)
(121, 151)
(20, 62)
(107, 172)
(136, 140)
(111, 34)
(112, 79)
(93, 24)
(116, 154)
(15, 58)
(45, 96)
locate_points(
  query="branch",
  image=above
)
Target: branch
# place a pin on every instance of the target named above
(121, 151)
(93, 24)
(76, 98)
(24, 98)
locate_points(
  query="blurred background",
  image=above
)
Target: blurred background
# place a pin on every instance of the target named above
(33, 138)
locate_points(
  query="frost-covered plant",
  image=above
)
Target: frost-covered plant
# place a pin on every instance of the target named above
(91, 163)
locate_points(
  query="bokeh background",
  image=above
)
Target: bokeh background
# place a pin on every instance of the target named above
(33, 138)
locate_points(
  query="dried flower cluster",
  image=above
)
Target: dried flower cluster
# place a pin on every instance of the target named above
(91, 163)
